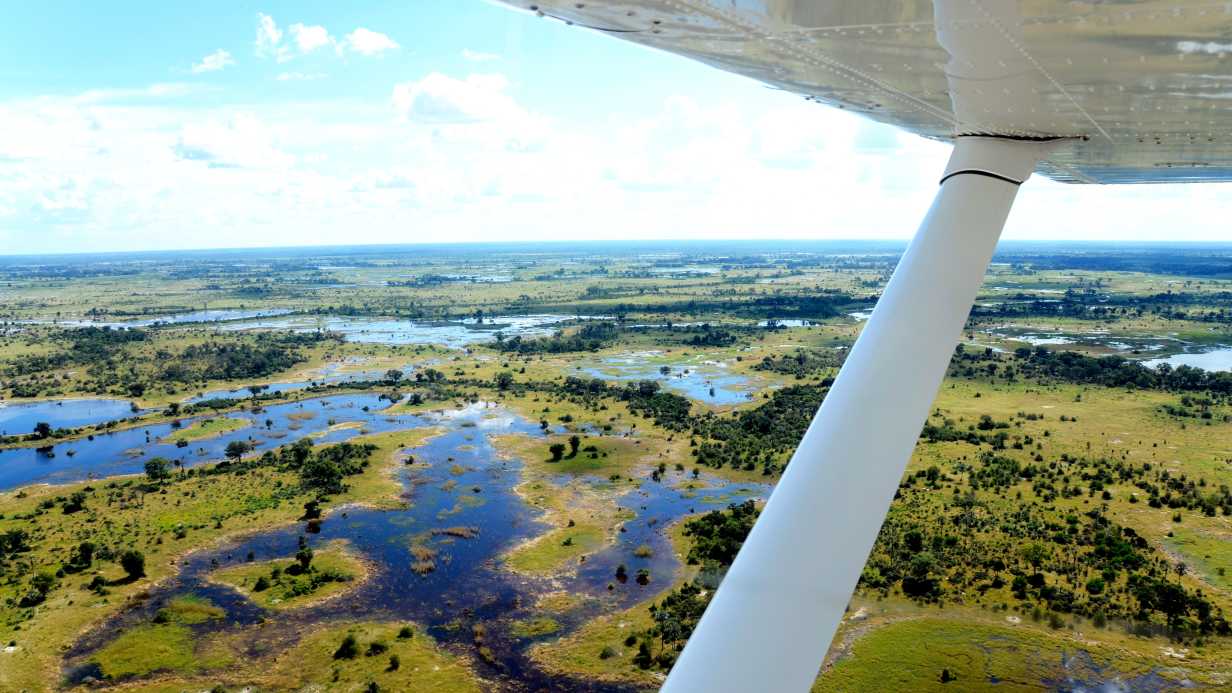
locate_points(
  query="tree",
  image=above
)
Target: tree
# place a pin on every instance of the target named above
(75, 502)
(504, 380)
(42, 430)
(349, 648)
(304, 556)
(574, 443)
(133, 563)
(393, 375)
(236, 449)
(156, 469)
(557, 450)
(43, 582)
(85, 554)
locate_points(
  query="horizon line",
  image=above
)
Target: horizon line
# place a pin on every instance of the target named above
(596, 242)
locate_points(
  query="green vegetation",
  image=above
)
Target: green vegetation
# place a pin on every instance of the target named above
(535, 627)
(164, 644)
(1064, 497)
(916, 654)
(207, 428)
(307, 578)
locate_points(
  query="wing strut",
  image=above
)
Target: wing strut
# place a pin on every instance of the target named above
(773, 617)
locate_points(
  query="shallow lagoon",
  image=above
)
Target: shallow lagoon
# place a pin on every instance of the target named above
(1214, 360)
(125, 452)
(694, 377)
(213, 315)
(331, 374)
(468, 584)
(453, 334)
(17, 418)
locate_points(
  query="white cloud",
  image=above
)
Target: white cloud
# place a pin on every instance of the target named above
(367, 42)
(303, 39)
(310, 38)
(439, 98)
(300, 76)
(466, 161)
(241, 141)
(213, 62)
(161, 90)
(479, 57)
(269, 38)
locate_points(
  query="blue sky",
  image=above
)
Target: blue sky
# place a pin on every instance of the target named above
(143, 125)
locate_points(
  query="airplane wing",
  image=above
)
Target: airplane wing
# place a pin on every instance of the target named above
(1143, 84)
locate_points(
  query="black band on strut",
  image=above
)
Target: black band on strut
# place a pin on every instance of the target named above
(979, 172)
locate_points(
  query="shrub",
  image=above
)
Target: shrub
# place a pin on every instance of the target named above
(133, 563)
(348, 649)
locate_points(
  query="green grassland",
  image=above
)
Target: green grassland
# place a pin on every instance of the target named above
(308, 664)
(206, 428)
(1077, 440)
(287, 586)
(163, 521)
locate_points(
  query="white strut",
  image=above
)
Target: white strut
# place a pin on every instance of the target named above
(776, 611)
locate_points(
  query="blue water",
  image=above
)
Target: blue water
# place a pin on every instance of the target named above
(469, 584)
(700, 381)
(244, 392)
(125, 452)
(1214, 360)
(454, 334)
(216, 315)
(331, 375)
(18, 418)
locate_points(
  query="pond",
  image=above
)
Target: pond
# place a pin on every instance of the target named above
(695, 377)
(331, 374)
(469, 584)
(1219, 359)
(454, 334)
(17, 418)
(212, 315)
(1102, 339)
(126, 451)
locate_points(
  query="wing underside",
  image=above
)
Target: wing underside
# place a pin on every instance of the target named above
(1140, 86)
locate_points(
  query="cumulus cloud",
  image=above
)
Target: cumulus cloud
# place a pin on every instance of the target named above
(309, 38)
(213, 62)
(439, 98)
(300, 76)
(467, 161)
(269, 38)
(478, 56)
(241, 141)
(367, 42)
(302, 39)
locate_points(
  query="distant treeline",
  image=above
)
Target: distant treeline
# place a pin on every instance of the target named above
(1069, 366)
(1090, 305)
(1211, 261)
(590, 337)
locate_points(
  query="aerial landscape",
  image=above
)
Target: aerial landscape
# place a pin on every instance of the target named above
(618, 346)
(527, 466)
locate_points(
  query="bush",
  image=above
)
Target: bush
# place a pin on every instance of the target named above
(349, 648)
(133, 563)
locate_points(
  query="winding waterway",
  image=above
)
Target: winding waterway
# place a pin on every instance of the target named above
(456, 479)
